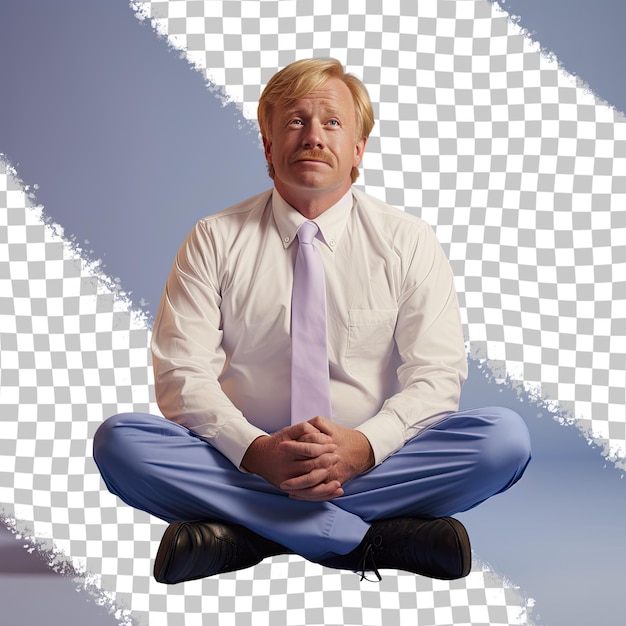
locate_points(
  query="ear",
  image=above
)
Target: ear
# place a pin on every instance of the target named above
(359, 149)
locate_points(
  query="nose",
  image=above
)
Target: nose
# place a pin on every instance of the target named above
(312, 137)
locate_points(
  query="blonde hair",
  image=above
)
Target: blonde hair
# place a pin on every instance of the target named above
(299, 79)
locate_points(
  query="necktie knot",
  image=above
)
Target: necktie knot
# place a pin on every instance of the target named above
(307, 231)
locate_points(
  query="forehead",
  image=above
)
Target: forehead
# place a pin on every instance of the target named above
(333, 94)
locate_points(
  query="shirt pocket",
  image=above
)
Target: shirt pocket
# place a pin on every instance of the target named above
(370, 339)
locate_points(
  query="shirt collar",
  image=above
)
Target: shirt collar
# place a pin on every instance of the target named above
(331, 222)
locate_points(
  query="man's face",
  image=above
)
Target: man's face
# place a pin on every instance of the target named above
(313, 145)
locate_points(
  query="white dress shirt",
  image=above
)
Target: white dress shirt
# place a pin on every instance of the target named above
(221, 340)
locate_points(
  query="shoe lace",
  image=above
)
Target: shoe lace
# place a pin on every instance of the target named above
(367, 562)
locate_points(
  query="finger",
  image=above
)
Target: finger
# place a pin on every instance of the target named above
(316, 437)
(322, 424)
(295, 431)
(301, 449)
(319, 493)
(305, 481)
(310, 478)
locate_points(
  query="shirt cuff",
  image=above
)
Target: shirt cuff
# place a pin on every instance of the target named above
(234, 438)
(385, 435)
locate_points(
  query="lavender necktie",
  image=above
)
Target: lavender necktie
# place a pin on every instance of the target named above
(310, 387)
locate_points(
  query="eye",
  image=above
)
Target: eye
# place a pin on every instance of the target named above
(295, 122)
(333, 123)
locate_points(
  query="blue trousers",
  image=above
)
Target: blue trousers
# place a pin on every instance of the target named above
(160, 467)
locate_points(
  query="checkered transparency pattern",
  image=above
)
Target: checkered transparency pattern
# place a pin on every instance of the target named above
(72, 352)
(519, 168)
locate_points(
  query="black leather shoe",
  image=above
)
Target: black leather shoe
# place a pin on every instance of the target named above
(433, 547)
(191, 550)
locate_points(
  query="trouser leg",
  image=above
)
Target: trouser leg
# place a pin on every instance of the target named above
(450, 467)
(159, 467)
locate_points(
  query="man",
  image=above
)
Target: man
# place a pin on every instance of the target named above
(353, 459)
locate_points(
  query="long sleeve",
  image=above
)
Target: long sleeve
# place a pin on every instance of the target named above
(429, 342)
(188, 356)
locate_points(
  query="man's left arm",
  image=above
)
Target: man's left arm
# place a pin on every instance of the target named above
(429, 340)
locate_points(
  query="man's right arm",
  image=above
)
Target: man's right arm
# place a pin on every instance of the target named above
(188, 357)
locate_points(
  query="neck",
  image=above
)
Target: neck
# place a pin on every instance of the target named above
(311, 203)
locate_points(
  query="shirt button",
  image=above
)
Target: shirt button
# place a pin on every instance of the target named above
(286, 239)
(331, 243)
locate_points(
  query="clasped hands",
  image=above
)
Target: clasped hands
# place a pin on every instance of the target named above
(310, 460)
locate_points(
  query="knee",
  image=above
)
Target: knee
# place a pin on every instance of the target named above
(105, 431)
(108, 439)
(507, 443)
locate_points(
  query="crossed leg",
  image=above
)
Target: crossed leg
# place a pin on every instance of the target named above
(160, 467)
